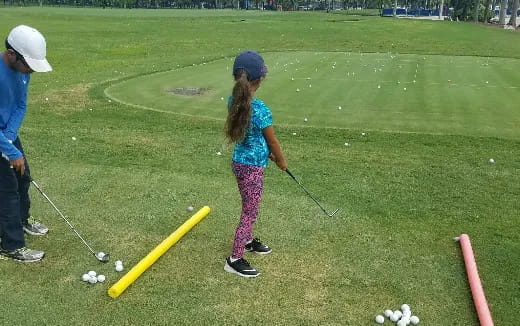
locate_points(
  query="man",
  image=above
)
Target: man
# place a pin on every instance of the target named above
(25, 53)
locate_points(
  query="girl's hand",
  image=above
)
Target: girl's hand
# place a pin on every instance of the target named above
(282, 164)
(272, 158)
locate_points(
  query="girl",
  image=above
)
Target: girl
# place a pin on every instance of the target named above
(249, 126)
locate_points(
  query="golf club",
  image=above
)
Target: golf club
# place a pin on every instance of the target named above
(101, 256)
(308, 193)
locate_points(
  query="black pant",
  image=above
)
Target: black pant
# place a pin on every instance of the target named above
(14, 202)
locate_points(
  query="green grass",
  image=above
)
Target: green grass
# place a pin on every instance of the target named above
(404, 191)
(400, 93)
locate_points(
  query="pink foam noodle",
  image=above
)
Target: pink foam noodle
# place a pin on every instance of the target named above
(479, 299)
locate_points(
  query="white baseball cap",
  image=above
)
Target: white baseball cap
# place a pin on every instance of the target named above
(31, 45)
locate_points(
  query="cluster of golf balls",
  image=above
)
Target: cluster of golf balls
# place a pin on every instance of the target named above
(92, 277)
(402, 317)
(119, 266)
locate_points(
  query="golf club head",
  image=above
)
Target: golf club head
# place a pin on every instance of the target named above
(334, 213)
(102, 257)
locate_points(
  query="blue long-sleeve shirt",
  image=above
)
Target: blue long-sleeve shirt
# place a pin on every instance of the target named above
(13, 104)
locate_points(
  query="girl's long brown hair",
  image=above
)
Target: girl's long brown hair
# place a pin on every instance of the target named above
(239, 112)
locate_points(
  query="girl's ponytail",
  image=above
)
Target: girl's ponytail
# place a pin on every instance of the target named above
(239, 112)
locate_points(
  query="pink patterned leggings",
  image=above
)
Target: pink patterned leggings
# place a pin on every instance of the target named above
(250, 181)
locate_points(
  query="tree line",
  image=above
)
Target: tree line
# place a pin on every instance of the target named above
(463, 10)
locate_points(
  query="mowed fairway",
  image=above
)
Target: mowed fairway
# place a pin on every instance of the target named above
(438, 94)
(142, 154)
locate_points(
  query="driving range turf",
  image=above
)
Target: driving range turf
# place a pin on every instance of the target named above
(143, 153)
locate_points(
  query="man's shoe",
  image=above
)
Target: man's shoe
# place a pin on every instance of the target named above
(258, 247)
(240, 267)
(34, 227)
(24, 254)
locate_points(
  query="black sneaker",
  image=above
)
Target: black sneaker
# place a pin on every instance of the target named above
(24, 254)
(258, 247)
(240, 267)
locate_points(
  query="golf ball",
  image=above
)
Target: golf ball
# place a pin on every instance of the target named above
(297, 89)
(92, 273)
(363, 134)
(339, 107)
(388, 313)
(85, 277)
(100, 254)
(92, 280)
(190, 208)
(118, 262)
(73, 138)
(219, 153)
(394, 317)
(405, 307)
(414, 320)
(305, 120)
(101, 278)
(401, 323)
(119, 268)
(491, 160)
(380, 319)
(398, 314)
(294, 134)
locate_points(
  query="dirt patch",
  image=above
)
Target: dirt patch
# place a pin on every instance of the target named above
(189, 91)
(63, 101)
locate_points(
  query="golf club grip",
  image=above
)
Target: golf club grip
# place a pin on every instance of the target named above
(27, 177)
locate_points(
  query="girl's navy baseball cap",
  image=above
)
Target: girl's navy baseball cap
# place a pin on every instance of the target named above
(252, 63)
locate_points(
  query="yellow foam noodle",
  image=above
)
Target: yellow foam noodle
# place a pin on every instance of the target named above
(136, 271)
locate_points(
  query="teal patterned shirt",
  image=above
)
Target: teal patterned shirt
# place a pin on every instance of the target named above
(253, 150)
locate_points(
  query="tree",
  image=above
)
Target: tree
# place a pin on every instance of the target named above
(502, 18)
(486, 11)
(514, 10)
(461, 9)
(475, 11)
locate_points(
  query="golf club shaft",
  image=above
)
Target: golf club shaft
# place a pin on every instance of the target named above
(308, 193)
(63, 217)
